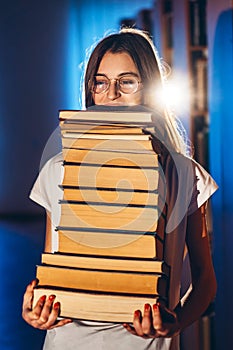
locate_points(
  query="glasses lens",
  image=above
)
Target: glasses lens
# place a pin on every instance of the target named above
(128, 84)
(100, 84)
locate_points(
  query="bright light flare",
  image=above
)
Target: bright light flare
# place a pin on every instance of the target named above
(176, 94)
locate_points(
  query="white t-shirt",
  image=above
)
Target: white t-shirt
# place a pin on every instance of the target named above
(187, 187)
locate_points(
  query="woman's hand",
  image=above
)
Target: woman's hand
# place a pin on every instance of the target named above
(45, 312)
(157, 321)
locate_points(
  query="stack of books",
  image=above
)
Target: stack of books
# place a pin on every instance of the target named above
(111, 232)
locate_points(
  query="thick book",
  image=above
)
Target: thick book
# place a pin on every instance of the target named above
(89, 136)
(94, 128)
(107, 116)
(139, 146)
(112, 157)
(112, 216)
(105, 263)
(108, 281)
(111, 244)
(96, 307)
(133, 178)
(129, 197)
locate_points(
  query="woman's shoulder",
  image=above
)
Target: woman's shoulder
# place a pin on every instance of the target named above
(206, 185)
(186, 177)
(53, 163)
(203, 183)
(56, 159)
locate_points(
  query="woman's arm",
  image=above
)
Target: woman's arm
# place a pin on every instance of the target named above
(203, 277)
(158, 321)
(45, 312)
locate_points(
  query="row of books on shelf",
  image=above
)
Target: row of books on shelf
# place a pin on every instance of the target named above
(197, 14)
(111, 232)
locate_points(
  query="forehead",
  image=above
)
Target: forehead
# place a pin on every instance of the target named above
(114, 64)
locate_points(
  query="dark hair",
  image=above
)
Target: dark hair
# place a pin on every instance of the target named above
(140, 48)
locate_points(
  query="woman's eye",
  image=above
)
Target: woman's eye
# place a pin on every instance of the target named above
(100, 83)
(127, 82)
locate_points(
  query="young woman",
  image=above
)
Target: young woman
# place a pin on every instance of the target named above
(124, 70)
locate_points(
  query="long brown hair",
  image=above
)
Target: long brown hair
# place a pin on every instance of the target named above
(139, 47)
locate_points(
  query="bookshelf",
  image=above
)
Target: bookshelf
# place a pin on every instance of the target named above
(179, 30)
(198, 58)
(167, 39)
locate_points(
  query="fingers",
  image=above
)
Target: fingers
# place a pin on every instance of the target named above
(28, 297)
(129, 328)
(137, 323)
(45, 312)
(136, 329)
(147, 321)
(143, 325)
(54, 311)
(49, 314)
(157, 320)
(164, 320)
(48, 310)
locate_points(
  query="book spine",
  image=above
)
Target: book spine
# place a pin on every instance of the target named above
(109, 245)
(108, 281)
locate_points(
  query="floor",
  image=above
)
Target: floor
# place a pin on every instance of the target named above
(20, 249)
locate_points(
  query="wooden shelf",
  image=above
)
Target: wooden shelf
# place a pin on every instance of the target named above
(198, 48)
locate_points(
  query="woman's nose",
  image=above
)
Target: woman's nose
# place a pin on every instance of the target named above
(113, 91)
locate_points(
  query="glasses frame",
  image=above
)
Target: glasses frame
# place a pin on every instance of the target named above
(91, 82)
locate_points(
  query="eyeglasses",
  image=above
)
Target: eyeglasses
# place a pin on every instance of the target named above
(128, 84)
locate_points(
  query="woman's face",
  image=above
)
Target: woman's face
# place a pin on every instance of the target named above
(109, 90)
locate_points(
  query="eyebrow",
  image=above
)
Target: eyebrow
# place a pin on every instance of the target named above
(120, 75)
